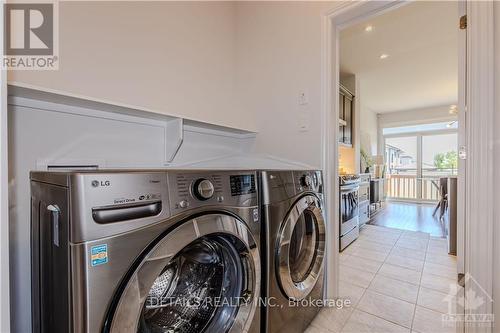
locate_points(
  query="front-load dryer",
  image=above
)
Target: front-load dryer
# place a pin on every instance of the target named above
(145, 251)
(294, 244)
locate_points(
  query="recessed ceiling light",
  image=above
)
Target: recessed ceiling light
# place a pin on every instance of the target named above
(384, 56)
(368, 28)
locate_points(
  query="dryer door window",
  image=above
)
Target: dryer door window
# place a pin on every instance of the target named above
(301, 247)
(203, 276)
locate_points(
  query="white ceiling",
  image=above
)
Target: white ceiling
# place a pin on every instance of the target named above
(421, 70)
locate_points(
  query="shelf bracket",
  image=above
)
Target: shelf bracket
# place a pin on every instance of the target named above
(174, 136)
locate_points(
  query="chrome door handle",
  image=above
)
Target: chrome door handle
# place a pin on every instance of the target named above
(55, 212)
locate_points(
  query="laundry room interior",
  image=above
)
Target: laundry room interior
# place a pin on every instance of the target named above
(180, 169)
(185, 105)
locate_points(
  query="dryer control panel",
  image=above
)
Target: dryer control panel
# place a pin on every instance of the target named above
(193, 189)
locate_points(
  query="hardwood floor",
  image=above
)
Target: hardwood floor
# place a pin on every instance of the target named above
(409, 216)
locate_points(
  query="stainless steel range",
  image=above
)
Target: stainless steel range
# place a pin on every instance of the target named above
(349, 209)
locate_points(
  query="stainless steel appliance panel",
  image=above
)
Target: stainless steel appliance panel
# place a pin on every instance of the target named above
(130, 222)
(349, 203)
(364, 213)
(364, 192)
(294, 228)
(348, 238)
(349, 209)
(276, 186)
(117, 192)
(50, 259)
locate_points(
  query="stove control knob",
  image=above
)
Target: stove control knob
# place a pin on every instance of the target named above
(305, 180)
(203, 189)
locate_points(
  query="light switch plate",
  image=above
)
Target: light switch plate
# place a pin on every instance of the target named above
(303, 97)
(303, 121)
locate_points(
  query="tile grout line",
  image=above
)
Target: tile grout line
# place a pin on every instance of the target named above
(419, 286)
(387, 254)
(392, 296)
(359, 300)
(384, 319)
(356, 307)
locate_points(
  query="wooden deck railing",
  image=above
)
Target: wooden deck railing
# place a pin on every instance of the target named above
(406, 187)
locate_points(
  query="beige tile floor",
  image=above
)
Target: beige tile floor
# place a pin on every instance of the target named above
(397, 281)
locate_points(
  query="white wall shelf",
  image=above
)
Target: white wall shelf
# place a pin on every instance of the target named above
(174, 126)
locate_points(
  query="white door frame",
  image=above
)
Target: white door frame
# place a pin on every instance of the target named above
(4, 200)
(479, 135)
(333, 21)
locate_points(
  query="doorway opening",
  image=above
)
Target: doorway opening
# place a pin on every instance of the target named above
(399, 109)
(420, 163)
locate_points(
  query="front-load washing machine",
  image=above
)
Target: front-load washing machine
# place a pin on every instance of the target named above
(145, 251)
(294, 243)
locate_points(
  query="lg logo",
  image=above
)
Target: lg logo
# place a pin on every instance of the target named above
(97, 183)
(29, 29)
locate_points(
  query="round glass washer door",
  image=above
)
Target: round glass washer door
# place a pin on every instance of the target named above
(204, 276)
(300, 248)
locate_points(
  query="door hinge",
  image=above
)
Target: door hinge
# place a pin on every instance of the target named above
(463, 22)
(462, 152)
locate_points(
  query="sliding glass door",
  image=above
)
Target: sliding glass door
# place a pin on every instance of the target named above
(401, 167)
(439, 159)
(414, 163)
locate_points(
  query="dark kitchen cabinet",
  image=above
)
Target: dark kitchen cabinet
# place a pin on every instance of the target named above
(346, 109)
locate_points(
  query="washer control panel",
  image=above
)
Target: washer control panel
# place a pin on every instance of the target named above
(242, 184)
(193, 189)
(308, 181)
(203, 189)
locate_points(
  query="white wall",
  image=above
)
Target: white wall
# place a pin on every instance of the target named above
(416, 116)
(368, 123)
(279, 55)
(238, 64)
(368, 128)
(176, 58)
